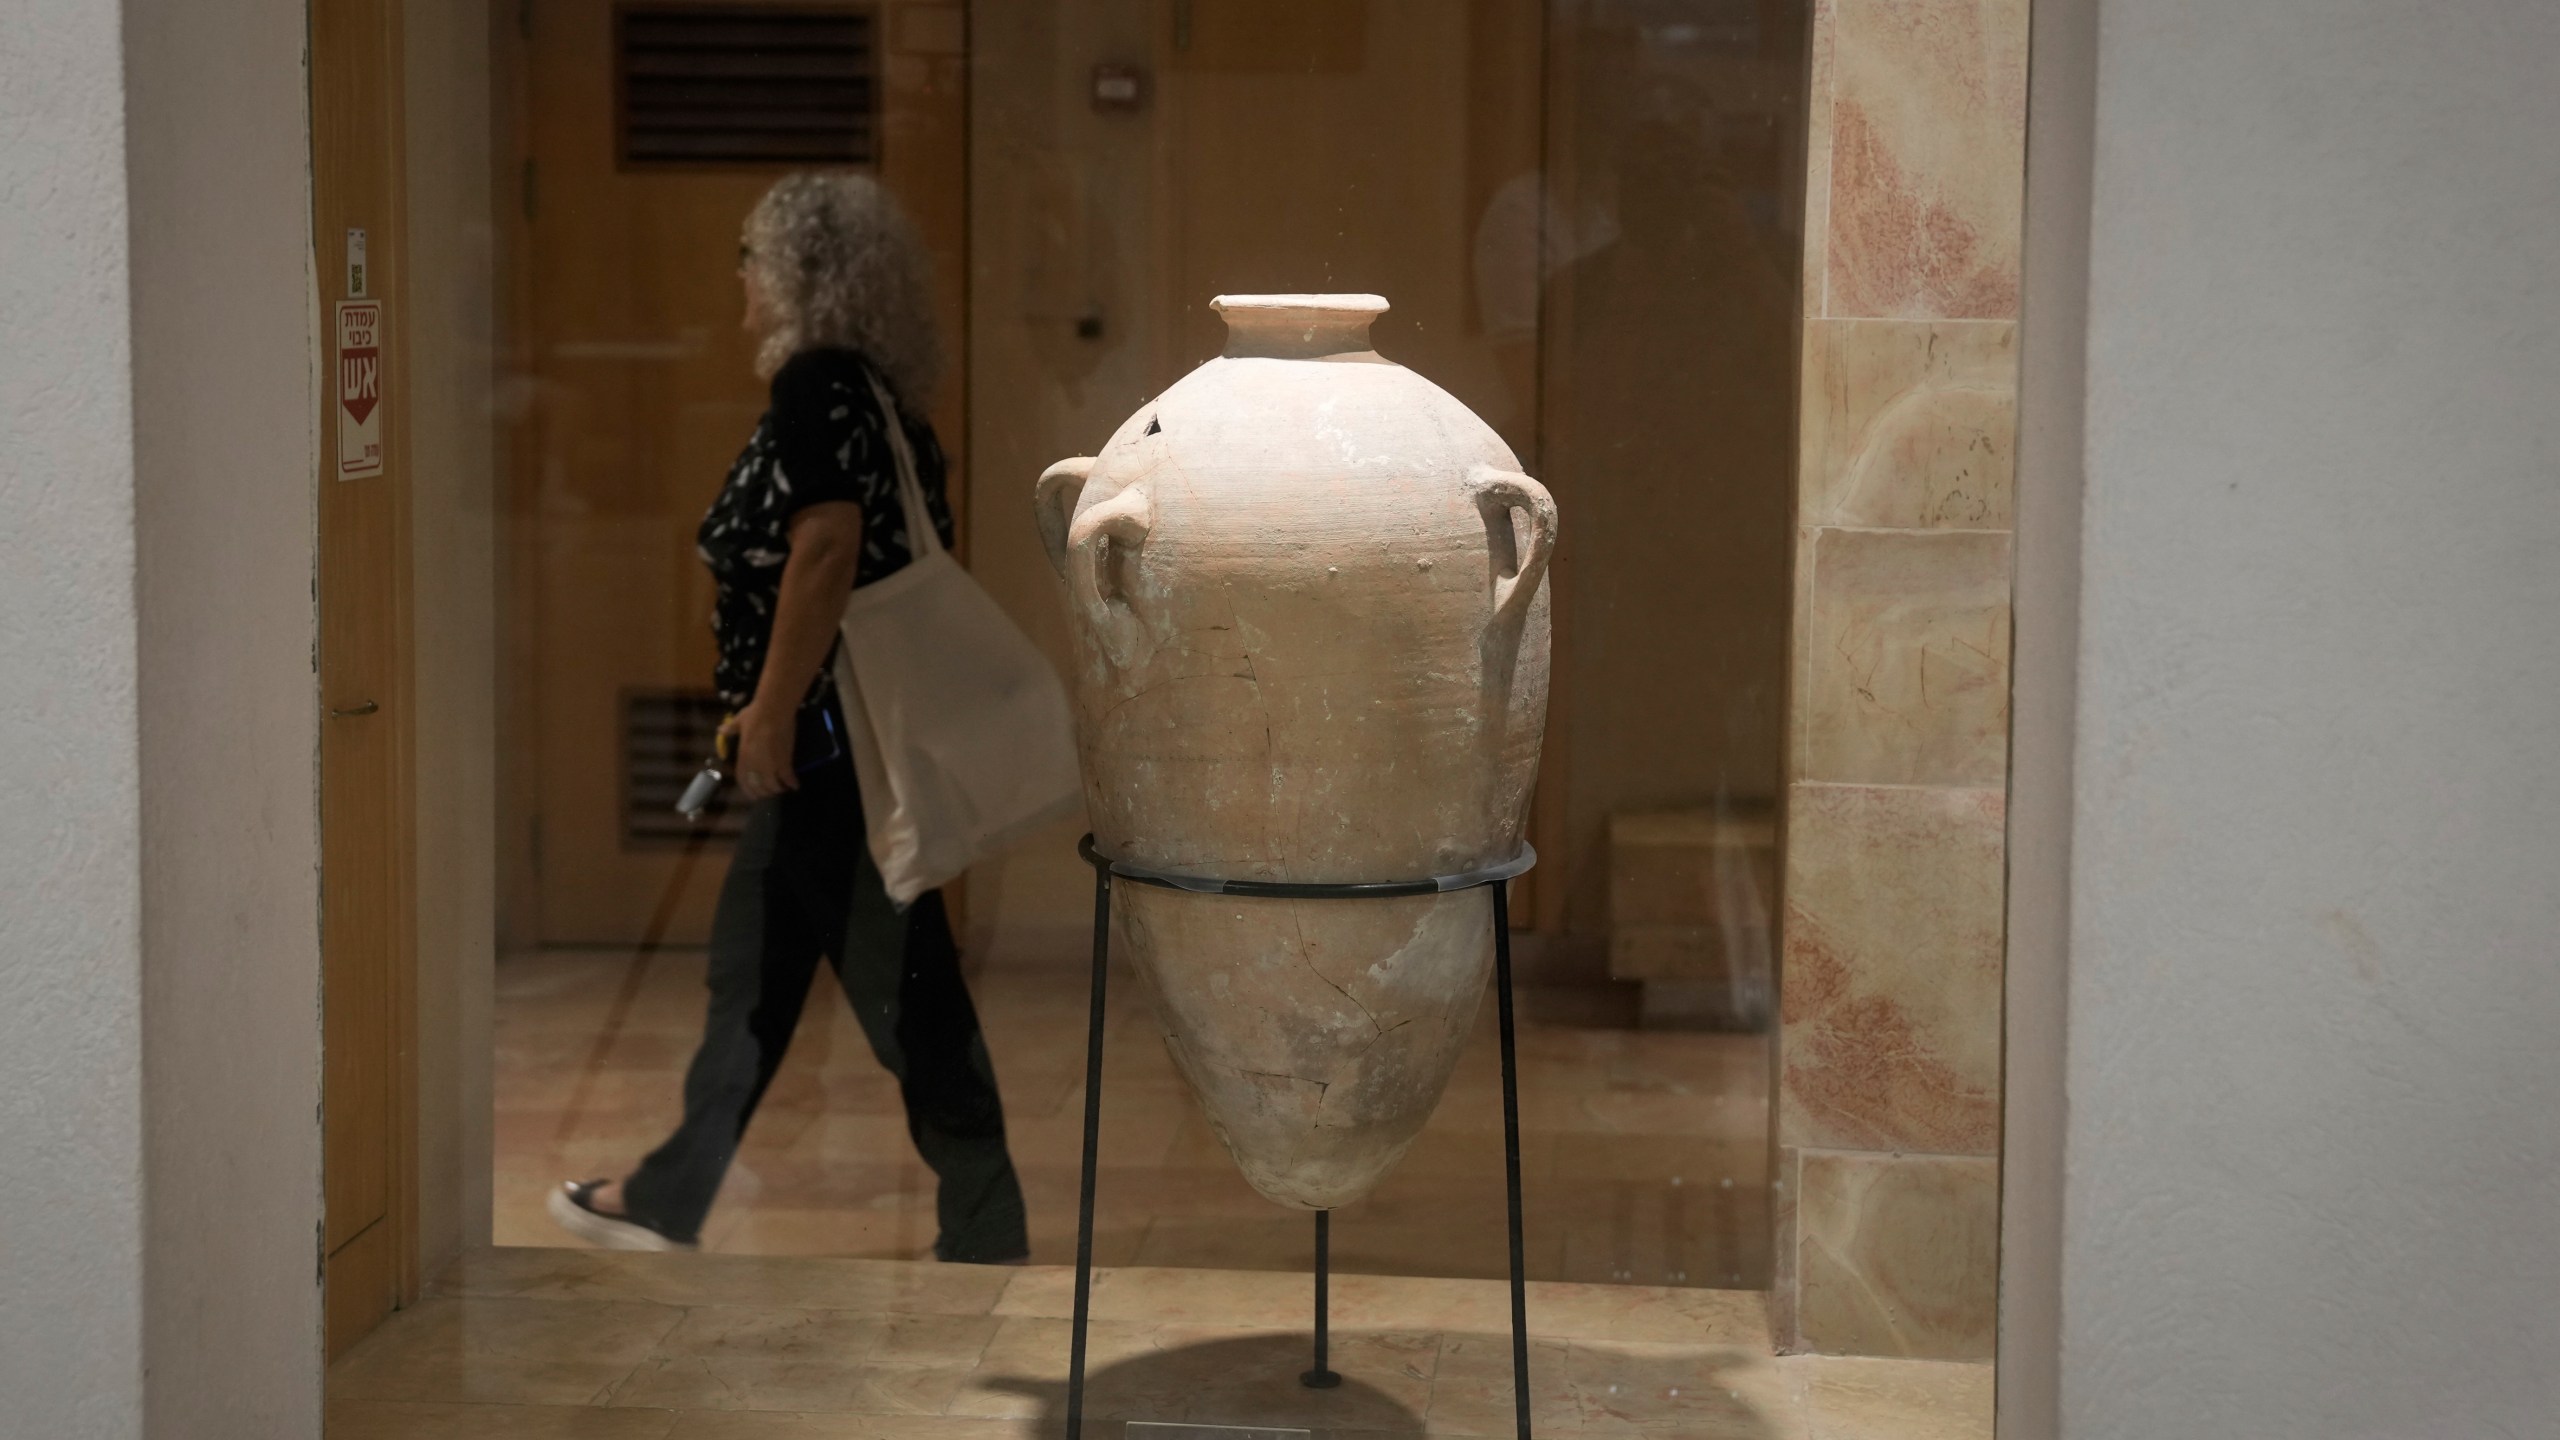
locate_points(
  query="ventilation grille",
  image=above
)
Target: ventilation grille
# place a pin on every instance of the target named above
(745, 85)
(666, 737)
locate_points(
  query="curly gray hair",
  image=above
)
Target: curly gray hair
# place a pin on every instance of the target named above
(840, 265)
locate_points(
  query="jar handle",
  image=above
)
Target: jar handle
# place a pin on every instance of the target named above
(1053, 504)
(1095, 568)
(1518, 566)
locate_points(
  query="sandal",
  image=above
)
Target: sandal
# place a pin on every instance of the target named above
(573, 1206)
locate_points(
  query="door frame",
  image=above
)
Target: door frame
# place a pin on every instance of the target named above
(390, 242)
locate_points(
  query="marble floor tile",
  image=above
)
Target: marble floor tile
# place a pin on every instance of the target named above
(1384, 1302)
(518, 1352)
(1655, 1314)
(744, 1425)
(702, 1382)
(1687, 1390)
(945, 1340)
(517, 1345)
(864, 1286)
(1024, 1370)
(1472, 1391)
(411, 1420)
(891, 1230)
(1857, 1399)
(763, 1332)
(521, 1272)
(1163, 1297)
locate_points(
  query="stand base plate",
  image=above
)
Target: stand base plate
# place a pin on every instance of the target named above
(1160, 1431)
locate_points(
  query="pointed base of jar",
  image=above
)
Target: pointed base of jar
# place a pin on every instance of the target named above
(1318, 1035)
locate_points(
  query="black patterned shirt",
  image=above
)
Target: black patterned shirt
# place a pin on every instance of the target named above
(822, 438)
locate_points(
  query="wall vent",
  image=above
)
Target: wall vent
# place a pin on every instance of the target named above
(666, 737)
(702, 85)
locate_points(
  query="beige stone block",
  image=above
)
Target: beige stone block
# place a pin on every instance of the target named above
(1817, 156)
(1691, 900)
(1898, 1255)
(1908, 676)
(1785, 1187)
(1909, 424)
(1858, 1399)
(1928, 153)
(1681, 954)
(1800, 660)
(1691, 867)
(1890, 1024)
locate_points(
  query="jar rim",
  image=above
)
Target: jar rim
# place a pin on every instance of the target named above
(1297, 326)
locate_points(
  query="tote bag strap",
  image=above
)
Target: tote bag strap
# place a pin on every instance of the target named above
(922, 538)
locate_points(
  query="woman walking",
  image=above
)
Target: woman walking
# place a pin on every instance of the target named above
(835, 283)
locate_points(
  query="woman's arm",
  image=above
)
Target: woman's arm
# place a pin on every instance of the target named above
(826, 545)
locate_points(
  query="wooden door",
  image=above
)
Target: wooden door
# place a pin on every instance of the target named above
(366, 934)
(1361, 146)
(637, 390)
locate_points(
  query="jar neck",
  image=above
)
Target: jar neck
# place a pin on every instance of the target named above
(1297, 327)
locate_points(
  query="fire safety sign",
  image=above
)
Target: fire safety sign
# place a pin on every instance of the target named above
(359, 389)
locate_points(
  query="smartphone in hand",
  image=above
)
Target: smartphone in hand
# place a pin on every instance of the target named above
(820, 742)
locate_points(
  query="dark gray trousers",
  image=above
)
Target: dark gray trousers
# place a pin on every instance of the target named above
(802, 887)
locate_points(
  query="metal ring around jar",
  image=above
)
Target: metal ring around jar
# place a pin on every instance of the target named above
(1288, 890)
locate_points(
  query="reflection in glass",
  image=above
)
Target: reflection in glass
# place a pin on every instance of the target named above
(1584, 215)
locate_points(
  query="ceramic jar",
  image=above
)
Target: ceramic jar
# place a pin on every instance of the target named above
(1311, 626)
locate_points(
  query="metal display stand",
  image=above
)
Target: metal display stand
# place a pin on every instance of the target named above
(1321, 1377)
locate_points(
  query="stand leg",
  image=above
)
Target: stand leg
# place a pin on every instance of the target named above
(1322, 1377)
(1511, 1154)
(1092, 1147)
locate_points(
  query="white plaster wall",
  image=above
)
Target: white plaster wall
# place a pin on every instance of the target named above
(224, 319)
(70, 833)
(2312, 1168)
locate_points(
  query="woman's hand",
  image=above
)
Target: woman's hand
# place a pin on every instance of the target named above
(826, 544)
(826, 541)
(764, 734)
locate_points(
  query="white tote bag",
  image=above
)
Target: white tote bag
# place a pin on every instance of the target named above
(960, 731)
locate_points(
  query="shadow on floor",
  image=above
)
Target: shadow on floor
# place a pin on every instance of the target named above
(1407, 1384)
(1243, 1381)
